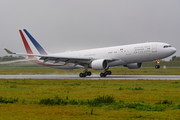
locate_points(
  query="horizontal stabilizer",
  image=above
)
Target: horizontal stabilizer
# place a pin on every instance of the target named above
(8, 51)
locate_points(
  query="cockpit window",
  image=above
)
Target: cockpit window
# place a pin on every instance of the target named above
(166, 46)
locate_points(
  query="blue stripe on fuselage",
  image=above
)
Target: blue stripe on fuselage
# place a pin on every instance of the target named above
(36, 44)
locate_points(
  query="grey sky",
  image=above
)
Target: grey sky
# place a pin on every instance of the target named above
(62, 25)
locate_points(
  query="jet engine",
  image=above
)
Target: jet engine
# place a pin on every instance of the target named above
(99, 64)
(133, 65)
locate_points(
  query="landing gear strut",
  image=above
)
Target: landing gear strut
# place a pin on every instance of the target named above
(157, 66)
(85, 73)
(105, 73)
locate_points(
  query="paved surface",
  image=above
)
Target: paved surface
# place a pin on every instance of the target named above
(95, 77)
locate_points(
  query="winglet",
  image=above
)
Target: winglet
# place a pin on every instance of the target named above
(8, 51)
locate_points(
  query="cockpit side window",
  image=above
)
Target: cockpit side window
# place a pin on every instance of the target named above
(166, 46)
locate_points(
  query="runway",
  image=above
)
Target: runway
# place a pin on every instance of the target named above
(95, 77)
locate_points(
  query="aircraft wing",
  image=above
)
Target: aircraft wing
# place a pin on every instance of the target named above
(66, 59)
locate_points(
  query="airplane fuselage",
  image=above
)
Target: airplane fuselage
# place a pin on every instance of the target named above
(123, 55)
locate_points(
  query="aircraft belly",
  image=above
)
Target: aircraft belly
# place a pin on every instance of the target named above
(117, 63)
(67, 67)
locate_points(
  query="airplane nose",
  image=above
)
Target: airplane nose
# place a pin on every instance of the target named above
(173, 50)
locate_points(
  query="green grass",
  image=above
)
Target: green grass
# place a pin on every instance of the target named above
(89, 99)
(172, 68)
(115, 71)
(10, 100)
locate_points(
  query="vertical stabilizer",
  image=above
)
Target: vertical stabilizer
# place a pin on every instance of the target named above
(26, 45)
(36, 44)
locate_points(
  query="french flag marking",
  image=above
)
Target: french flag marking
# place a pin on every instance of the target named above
(36, 44)
(28, 49)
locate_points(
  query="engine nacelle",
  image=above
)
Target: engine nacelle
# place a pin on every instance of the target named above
(133, 65)
(100, 64)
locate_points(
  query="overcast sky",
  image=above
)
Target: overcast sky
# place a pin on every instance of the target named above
(63, 25)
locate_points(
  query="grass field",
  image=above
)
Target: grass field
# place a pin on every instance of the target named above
(172, 68)
(115, 71)
(89, 99)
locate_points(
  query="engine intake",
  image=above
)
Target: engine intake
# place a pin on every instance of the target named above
(99, 64)
(133, 65)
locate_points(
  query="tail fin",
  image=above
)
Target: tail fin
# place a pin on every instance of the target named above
(28, 49)
(36, 44)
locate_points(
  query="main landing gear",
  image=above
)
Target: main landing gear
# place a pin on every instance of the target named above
(105, 73)
(88, 73)
(157, 66)
(85, 73)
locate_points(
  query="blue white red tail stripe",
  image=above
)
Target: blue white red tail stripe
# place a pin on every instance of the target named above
(36, 44)
(26, 45)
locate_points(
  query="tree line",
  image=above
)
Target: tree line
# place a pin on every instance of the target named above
(10, 58)
(175, 58)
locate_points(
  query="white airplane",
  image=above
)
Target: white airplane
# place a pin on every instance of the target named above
(131, 56)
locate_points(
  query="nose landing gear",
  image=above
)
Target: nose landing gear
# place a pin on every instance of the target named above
(157, 66)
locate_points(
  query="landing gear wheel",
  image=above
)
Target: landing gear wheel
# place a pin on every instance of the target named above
(157, 66)
(103, 74)
(82, 75)
(108, 72)
(88, 73)
(85, 73)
